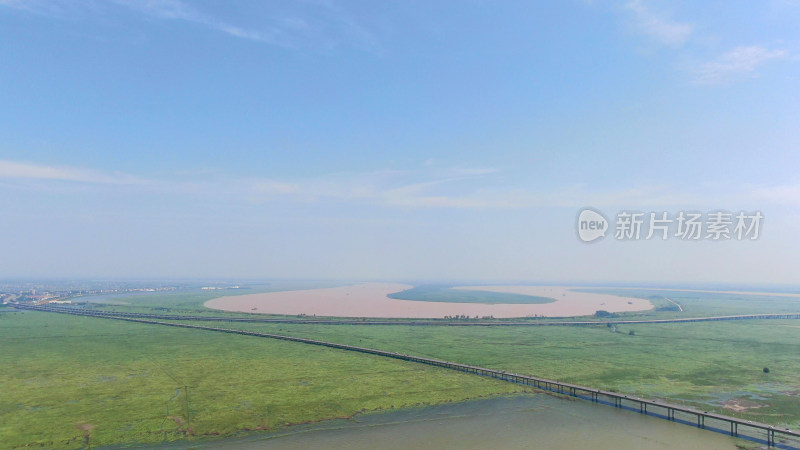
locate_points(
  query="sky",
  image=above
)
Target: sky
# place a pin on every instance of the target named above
(395, 140)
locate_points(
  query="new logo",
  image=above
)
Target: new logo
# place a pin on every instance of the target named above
(591, 225)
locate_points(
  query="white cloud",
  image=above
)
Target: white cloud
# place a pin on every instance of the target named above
(54, 8)
(782, 195)
(18, 4)
(657, 26)
(272, 187)
(162, 9)
(741, 62)
(311, 24)
(411, 189)
(562, 197)
(20, 170)
(474, 170)
(179, 10)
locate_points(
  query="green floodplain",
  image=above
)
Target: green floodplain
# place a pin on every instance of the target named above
(74, 382)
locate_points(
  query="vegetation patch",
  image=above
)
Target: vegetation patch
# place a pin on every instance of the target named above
(446, 293)
(77, 382)
(689, 363)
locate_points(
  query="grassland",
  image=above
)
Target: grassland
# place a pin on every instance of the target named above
(698, 304)
(704, 364)
(445, 293)
(64, 376)
(67, 379)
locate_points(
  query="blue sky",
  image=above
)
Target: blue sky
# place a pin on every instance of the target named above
(393, 140)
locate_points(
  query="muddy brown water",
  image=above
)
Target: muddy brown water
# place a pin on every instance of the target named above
(527, 421)
(371, 300)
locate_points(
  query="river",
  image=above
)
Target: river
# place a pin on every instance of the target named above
(527, 421)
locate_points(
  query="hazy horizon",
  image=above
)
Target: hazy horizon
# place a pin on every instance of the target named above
(394, 141)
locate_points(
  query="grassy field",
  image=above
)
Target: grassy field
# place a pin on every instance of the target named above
(445, 293)
(67, 379)
(698, 304)
(703, 364)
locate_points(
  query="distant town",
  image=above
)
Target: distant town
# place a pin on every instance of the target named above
(39, 293)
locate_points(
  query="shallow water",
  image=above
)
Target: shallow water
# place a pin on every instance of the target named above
(528, 421)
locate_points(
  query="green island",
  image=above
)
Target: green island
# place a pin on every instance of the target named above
(447, 293)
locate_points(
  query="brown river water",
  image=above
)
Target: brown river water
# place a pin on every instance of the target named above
(527, 421)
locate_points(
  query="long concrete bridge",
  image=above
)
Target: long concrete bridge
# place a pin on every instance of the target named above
(773, 436)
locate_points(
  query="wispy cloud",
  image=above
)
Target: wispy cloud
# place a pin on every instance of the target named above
(414, 188)
(319, 25)
(21, 170)
(783, 195)
(474, 170)
(55, 8)
(452, 188)
(658, 26)
(18, 4)
(352, 29)
(422, 188)
(739, 63)
(179, 10)
(561, 197)
(161, 9)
